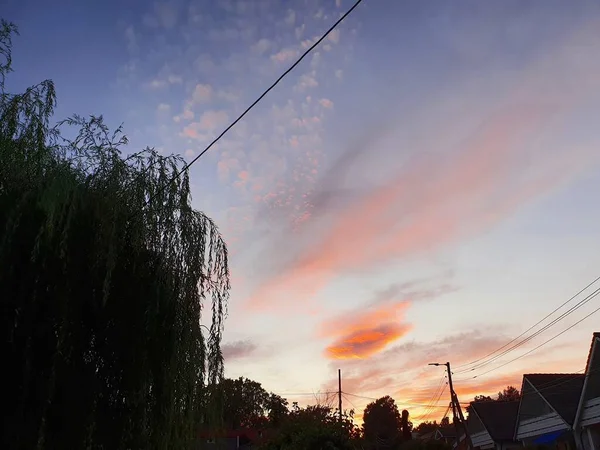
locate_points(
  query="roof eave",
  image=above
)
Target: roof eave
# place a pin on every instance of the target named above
(593, 348)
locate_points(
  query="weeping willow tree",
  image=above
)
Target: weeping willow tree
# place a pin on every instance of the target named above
(105, 274)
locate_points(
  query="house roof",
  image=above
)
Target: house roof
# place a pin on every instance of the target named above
(498, 418)
(428, 435)
(595, 337)
(447, 432)
(561, 390)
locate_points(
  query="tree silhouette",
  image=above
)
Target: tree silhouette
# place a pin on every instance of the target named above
(382, 423)
(246, 404)
(106, 273)
(406, 426)
(510, 393)
(314, 427)
(477, 399)
(426, 427)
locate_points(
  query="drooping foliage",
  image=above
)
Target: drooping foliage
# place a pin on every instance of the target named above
(105, 270)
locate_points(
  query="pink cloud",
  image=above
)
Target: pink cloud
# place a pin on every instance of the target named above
(202, 93)
(284, 55)
(440, 198)
(306, 81)
(210, 120)
(326, 103)
(261, 46)
(432, 202)
(191, 131)
(334, 36)
(225, 166)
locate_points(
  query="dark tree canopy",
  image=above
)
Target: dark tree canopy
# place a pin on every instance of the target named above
(382, 422)
(510, 393)
(445, 422)
(426, 427)
(246, 404)
(106, 273)
(314, 428)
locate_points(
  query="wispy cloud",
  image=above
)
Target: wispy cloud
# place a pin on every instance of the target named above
(238, 349)
(445, 193)
(416, 290)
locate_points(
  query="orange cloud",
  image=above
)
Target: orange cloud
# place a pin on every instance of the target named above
(363, 343)
(361, 334)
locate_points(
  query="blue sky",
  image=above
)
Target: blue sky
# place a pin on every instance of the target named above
(422, 186)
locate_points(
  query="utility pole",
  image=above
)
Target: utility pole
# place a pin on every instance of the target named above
(340, 393)
(459, 419)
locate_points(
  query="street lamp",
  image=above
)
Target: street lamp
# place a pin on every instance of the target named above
(455, 407)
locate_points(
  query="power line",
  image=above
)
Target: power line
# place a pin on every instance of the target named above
(349, 401)
(398, 403)
(434, 399)
(530, 328)
(247, 110)
(299, 394)
(432, 406)
(543, 343)
(440, 388)
(478, 364)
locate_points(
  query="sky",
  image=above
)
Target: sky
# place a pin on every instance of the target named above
(421, 188)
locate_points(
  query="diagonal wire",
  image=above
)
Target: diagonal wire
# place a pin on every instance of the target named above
(433, 400)
(570, 311)
(479, 360)
(542, 344)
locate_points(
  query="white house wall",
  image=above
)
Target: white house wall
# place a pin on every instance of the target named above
(537, 426)
(591, 412)
(482, 440)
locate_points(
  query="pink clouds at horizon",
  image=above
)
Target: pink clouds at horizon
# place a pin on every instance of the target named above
(403, 373)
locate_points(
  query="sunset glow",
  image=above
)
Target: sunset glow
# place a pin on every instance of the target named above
(420, 189)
